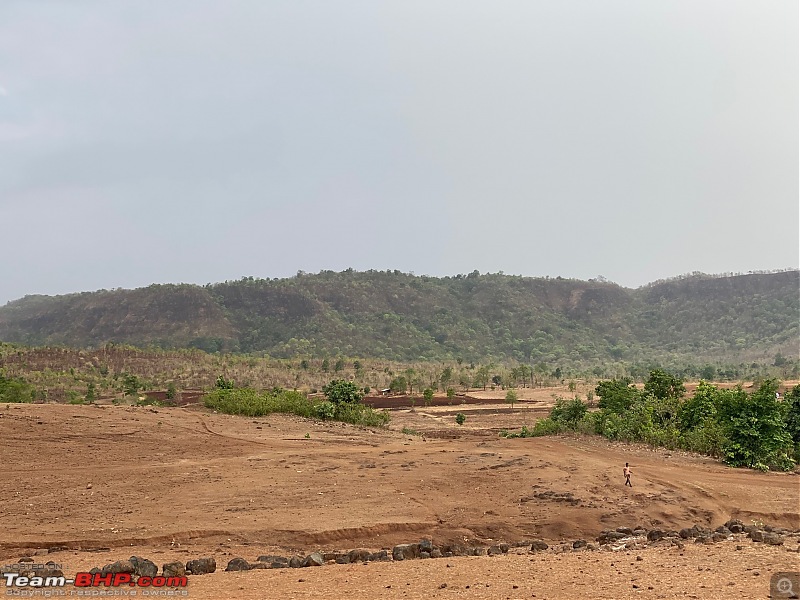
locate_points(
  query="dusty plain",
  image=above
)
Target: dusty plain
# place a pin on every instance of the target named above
(107, 482)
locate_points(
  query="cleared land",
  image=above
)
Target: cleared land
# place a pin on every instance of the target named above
(182, 483)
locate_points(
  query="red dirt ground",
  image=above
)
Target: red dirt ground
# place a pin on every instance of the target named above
(183, 483)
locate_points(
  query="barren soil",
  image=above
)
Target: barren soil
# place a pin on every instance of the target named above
(111, 481)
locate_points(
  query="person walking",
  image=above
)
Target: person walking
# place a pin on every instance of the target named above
(627, 472)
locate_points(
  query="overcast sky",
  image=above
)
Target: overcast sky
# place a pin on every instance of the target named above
(192, 141)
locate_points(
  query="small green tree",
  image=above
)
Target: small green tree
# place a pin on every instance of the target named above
(511, 397)
(427, 395)
(451, 393)
(460, 418)
(616, 395)
(398, 385)
(224, 384)
(91, 393)
(172, 391)
(340, 391)
(326, 365)
(130, 384)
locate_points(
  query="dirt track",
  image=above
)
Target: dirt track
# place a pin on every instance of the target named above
(186, 483)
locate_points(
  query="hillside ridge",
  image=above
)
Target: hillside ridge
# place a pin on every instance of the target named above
(400, 316)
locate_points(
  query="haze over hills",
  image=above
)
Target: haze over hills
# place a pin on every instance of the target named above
(394, 315)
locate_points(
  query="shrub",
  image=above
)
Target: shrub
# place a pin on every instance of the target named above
(340, 391)
(16, 391)
(460, 418)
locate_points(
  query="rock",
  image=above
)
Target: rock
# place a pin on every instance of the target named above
(383, 555)
(538, 546)
(315, 559)
(344, 559)
(773, 539)
(494, 551)
(436, 553)
(723, 530)
(685, 533)
(121, 566)
(479, 551)
(426, 545)
(173, 569)
(577, 544)
(53, 549)
(640, 531)
(610, 536)
(143, 567)
(272, 558)
(359, 555)
(756, 535)
(330, 556)
(296, 562)
(704, 539)
(405, 551)
(201, 566)
(625, 530)
(237, 564)
(654, 535)
(424, 554)
(734, 526)
(718, 537)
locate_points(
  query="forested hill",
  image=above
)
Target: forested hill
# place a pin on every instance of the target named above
(400, 316)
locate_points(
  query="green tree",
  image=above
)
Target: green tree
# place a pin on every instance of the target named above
(700, 407)
(481, 378)
(326, 365)
(446, 377)
(511, 397)
(339, 366)
(616, 395)
(663, 385)
(569, 412)
(398, 385)
(340, 391)
(792, 400)
(131, 384)
(221, 383)
(91, 393)
(427, 394)
(756, 429)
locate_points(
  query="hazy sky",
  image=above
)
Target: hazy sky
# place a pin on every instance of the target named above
(192, 141)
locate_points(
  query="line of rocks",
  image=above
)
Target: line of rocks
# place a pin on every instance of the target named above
(621, 538)
(627, 538)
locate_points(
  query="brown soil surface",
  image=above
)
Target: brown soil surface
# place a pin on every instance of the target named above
(182, 483)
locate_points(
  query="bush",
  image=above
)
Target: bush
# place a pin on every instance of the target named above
(16, 391)
(325, 410)
(251, 403)
(340, 391)
(460, 418)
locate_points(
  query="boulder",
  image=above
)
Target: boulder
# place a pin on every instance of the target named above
(577, 544)
(295, 562)
(654, 535)
(143, 567)
(238, 564)
(773, 539)
(380, 555)
(538, 546)
(625, 530)
(359, 555)
(272, 558)
(173, 569)
(756, 535)
(201, 566)
(315, 559)
(121, 566)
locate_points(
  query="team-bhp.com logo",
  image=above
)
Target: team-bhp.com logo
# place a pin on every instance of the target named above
(27, 584)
